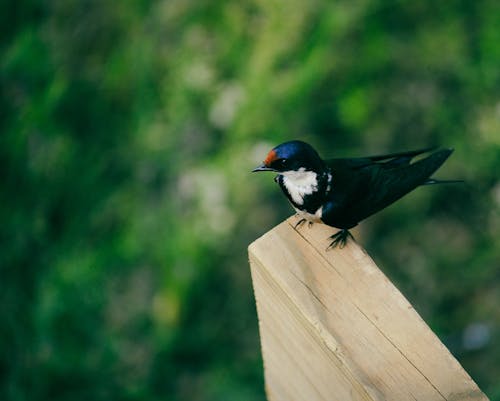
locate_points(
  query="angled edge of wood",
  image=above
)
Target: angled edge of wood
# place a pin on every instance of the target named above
(333, 327)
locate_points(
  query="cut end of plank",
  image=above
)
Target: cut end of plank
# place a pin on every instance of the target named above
(333, 327)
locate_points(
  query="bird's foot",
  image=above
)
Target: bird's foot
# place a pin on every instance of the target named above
(299, 223)
(339, 239)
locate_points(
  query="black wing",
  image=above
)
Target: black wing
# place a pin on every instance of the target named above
(390, 159)
(363, 186)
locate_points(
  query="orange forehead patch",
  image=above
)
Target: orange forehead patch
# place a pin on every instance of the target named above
(271, 156)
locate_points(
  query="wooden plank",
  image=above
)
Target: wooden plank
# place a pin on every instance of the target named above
(333, 327)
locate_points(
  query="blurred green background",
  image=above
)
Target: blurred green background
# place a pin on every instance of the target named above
(127, 133)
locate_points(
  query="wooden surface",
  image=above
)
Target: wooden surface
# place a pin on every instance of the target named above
(333, 327)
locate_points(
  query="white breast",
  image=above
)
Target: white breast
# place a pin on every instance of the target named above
(300, 183)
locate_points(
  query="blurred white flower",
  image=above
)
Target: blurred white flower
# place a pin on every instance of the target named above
(225, 105)
(210, 191)
(199, 76)
(476, 336)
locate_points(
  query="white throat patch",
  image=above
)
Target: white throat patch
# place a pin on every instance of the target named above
(300, 183)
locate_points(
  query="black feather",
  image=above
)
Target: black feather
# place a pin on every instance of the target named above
(358, 191)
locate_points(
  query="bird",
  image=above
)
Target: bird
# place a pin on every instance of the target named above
(342, 192)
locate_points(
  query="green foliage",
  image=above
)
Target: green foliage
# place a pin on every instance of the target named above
(127, 133)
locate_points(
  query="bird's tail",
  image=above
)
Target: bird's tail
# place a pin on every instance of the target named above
(424, 168)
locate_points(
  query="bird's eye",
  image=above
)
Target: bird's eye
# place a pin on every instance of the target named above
(283, 162)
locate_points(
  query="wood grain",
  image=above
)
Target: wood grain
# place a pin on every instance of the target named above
(333, 327)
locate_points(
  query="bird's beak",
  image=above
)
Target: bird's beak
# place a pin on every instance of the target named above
(262, 167)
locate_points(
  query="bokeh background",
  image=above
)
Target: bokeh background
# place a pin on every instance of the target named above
(127, 133)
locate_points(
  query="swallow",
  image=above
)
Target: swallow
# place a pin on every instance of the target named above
(344, 191)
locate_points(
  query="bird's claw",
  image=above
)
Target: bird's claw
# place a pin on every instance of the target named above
(299, 223)
(339, 239)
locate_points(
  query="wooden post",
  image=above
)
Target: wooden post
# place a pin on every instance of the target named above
(333, 327)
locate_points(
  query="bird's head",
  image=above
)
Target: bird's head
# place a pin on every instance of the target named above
(292, 156)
